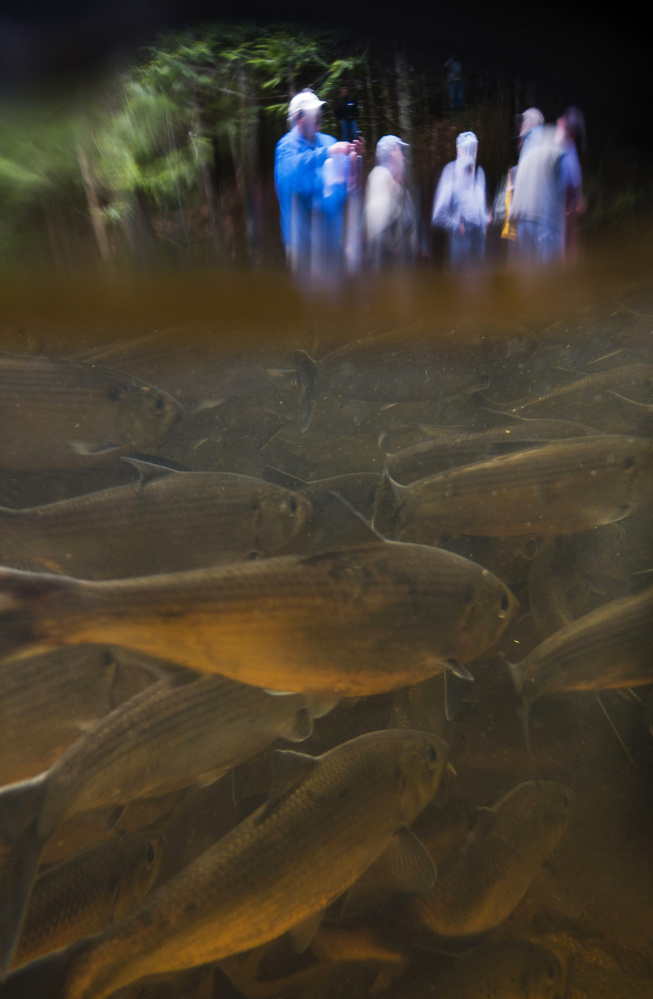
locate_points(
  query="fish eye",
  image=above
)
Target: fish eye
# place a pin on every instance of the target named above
(114, 393)
(566, 799)
(149, 855)
(160, 402)
(505, 603)
(252, 556)
(292, 505)
(433, 755)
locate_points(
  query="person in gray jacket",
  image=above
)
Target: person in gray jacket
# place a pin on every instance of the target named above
(460, 206)
(546, 180)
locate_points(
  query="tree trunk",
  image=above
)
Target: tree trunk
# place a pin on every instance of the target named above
(403, 96)
(371, 106)
(93, 203)
(209, 189)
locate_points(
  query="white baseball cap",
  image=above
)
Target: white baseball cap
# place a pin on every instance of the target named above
(530, 119)
(388, 142)
(305, 101)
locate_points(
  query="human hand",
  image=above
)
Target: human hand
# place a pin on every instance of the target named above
(340, 148)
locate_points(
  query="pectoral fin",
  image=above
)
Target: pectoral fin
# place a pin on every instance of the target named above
(405, 865)
(302, 934)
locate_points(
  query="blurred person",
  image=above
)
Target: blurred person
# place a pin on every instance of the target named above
(546, 182)
(454, 76)
(530, 125)
(572, 138)
(460, 207)
(346, 111)
(311, 173)
(390, 224)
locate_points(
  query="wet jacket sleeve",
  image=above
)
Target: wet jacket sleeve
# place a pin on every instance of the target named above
(297, 167)
(445, 214)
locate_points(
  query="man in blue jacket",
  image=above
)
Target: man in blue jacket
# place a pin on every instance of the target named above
(312, 175)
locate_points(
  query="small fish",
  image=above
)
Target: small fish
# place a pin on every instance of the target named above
(327, 819)
(608, 648)
(384, 369)
(56, 413)
(590, 395)
(56, 696)
(482, 880)
(355, 620)
(508, 970)
(167, 737)
(82, 895)
(451, 446)
(559, 488)
(206, 518)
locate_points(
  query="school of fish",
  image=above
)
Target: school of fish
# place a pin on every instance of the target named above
(287, 675)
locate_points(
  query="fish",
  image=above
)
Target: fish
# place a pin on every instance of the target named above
(512, 969)
(559, 488)
(82, 895)
(349, 621)
(56, 696)
(590, 395)
(327, 819)
(482, 880)
(382, 368)
(451, 446)
(57, 413)
(608, 648)
(207, 518)
(165, 738)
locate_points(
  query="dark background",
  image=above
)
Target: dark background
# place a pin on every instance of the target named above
(599, 62)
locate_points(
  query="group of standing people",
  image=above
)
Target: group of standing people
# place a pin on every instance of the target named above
(538, 204)
(331, 224)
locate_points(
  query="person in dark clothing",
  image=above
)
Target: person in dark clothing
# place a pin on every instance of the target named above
(346, 111)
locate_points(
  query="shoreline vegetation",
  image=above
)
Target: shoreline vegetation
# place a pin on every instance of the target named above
(169, 161)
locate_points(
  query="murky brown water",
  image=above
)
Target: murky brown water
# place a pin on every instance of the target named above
(223, 345)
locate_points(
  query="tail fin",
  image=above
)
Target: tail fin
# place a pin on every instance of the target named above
(523, 709)
(22, 839)
(20, 596)
(307, 373)
(387, 503)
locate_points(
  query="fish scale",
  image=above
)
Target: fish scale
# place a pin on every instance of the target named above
(334, 622)
(608, 647)
(559, 488)
(57, 413)
(206, 517)
(160, 740)
(280, 866)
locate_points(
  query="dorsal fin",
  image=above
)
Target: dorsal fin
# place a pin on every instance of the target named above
(148, 470)
(340, 526)
(288, 769)
(279, 478)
